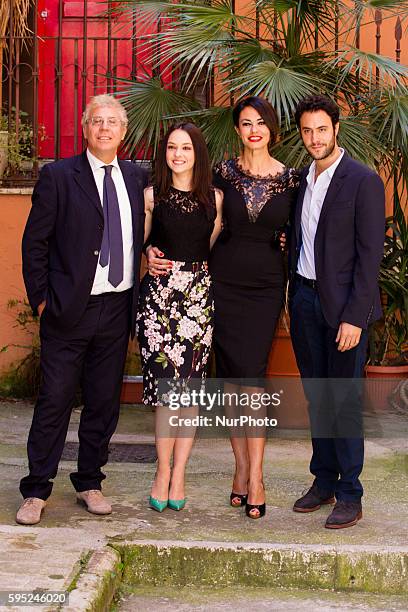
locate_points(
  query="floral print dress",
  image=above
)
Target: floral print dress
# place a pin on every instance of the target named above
(175, 316)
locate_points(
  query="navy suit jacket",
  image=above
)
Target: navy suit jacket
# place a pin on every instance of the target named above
(63, 237)
(348, 246)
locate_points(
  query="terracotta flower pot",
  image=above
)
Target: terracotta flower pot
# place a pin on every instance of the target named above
(382, 382)
(132, 390)
(293, 412)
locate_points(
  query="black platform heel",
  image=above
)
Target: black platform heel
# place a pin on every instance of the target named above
(260, 507)
(242, 499)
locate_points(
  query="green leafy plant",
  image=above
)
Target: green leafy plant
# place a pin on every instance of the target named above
(20, 143)
(23, 379)
(388, 341)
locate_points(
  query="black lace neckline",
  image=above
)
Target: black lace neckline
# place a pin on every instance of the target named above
(182, 191)
(257, 191)
(266, 177)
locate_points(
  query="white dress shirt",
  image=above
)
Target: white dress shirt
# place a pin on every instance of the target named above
(101, 283)
(315, 194)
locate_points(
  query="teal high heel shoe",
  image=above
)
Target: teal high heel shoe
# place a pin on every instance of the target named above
(157, 504)
(176, 504)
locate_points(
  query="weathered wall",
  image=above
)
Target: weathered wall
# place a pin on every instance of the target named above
(14, 209)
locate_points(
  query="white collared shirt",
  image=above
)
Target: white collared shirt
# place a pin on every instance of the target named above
(101, 283)
(315, 194)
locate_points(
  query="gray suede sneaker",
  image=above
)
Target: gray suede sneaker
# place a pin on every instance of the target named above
(94, 501)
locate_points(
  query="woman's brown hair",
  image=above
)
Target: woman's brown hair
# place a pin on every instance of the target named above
(202, 176)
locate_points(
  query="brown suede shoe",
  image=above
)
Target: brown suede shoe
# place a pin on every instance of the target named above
(344, 514)
(29, 513)
(313, 500)
(94, 501)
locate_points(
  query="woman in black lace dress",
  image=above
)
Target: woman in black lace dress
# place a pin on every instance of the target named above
(175, 320)
(247, 269)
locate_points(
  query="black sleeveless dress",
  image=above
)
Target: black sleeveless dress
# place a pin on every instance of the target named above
(247, 267)
(175, 316)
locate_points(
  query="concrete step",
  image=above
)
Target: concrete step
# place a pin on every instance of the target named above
(371, 569)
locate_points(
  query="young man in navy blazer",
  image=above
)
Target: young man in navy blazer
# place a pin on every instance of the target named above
(81, 259)
(335, 252)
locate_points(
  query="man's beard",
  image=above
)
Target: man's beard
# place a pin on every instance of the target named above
(324, 153)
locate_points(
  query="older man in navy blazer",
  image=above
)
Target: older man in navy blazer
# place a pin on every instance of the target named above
(81, 259)
(335, 252)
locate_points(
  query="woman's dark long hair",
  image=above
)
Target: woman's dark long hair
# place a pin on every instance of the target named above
(201, 187)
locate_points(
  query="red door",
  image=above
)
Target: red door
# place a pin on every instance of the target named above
(81, 53)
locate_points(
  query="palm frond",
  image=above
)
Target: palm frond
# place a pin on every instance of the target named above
(289, 149)
(398, 6)
(247, 53)
(218, 129)
(150, 106)
(365, 65)
(390, 116)
(299, 19)
(147, 14)
(196, 52)
(279, 83)
(196, 37)
(358, 139)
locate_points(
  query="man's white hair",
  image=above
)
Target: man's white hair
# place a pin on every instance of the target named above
(104, 100)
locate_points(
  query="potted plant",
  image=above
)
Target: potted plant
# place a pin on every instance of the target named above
(18, 151)
(132, 386)
(388, 340)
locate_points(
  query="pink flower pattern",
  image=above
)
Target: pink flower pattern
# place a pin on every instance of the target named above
(175, 326)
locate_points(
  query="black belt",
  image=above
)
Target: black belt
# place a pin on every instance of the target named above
(309, 282)
(108, 294)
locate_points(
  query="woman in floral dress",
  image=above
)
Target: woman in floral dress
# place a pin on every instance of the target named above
(247, 270)
(175, 320)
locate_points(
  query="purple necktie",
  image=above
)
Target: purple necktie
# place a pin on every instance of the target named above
(112, 245)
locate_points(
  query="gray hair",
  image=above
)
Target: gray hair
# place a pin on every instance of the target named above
(104, 100)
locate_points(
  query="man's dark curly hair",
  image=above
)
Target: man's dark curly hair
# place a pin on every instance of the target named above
(312, 104)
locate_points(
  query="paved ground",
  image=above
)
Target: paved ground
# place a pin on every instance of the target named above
(50, 555)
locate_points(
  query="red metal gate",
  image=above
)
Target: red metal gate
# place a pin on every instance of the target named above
(77, 50)
(81, 52)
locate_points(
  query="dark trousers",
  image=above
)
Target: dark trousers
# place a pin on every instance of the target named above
(338, 456)
(93, 354)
